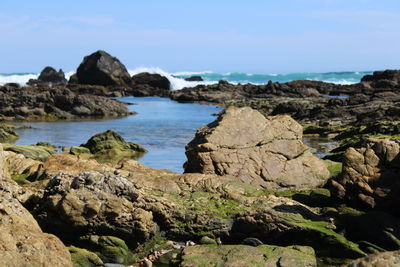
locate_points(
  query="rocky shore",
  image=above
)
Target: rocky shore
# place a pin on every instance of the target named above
(281, 207)
(252, 193)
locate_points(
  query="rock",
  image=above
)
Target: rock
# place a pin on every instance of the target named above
(387, 259)
(252, 241)
(244, 143)
(58, 102)
(100, 68)
(83, 258)
(111, 144)
(77, 150)
(22, 241)
(110, 249)
(23, 170)
(33, 152)
(205, 240)
(240, 255)
(370, 176)
(146, 84)
(92, 203)
(49, 74)
(7, 133)
(382, 79)
(194, 79)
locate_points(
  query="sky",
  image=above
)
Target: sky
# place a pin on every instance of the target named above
(255, 36)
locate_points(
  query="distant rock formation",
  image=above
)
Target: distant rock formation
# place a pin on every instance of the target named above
(244, 143)
(194, 79)
(49, 75)
(100, 68)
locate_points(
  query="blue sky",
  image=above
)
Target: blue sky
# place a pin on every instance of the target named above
(256, 36)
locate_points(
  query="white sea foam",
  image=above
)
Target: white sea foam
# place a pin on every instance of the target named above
(21, 79)
(192, 73)
(176, 83)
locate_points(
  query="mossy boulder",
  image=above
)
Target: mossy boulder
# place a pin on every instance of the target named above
(110, 145)
(7, 133)
(242, 255)
(109, 248)
(33, 152)
(78, 150)
(83, 258)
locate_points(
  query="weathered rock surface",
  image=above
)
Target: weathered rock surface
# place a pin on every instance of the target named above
(7, 133)
(244, 143)
(147, 84)
(100, 68)
(74, 206)
(33, 152)
(382, 79)
(240, 255)
(59, 102)
(195, 78)
(22, 241)
(49, 75)
(384, 259)
(370, 176)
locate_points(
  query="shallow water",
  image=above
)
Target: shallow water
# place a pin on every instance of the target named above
(162, 126)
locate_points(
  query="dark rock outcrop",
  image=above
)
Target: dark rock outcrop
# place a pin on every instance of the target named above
(59, 102)
(370, 176)
(49, 75)
(100, 68)
(147, 84)
(194, 79)
(382, 79)
(244, 143)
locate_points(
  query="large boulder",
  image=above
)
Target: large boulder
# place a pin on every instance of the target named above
(370, 177)
(382, 79)
(22, 241)
(244, 143)
(147, 84)
(100, 68)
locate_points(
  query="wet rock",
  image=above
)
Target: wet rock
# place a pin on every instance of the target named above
(240, 255)
(100, 68)
(7, 133)
(194, 79)
(244, 143)
(370, 176)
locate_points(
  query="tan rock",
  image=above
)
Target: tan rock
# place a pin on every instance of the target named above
(244, 143)
(381, 259)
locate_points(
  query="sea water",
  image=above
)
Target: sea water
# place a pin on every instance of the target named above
(161, 125)
(177, 79)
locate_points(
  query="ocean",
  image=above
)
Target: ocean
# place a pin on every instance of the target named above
(178, 82)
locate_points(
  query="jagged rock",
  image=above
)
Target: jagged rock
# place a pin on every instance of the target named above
(49, 75)
(240, 255)
(244, 143)
(77, 205)
(370, 176)
(22, 241)
(382, 79)
(386, 259)
(147, 84)
(100, 68)
(22, 168)
(7, 133)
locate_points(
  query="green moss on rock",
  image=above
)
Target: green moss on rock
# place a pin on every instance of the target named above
(33, 152)
(78, 150)
(83, 258)
(109, 248)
